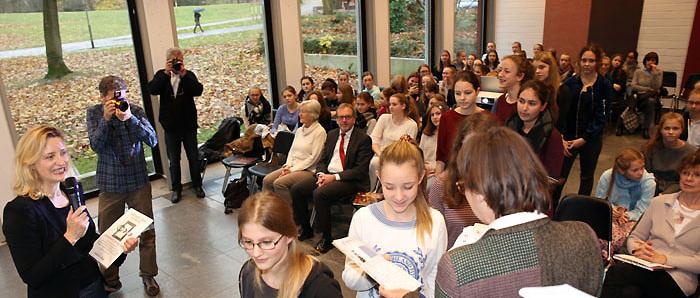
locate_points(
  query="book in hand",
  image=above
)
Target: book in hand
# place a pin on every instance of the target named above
(651, 266)
(110, 245)
(382, 271)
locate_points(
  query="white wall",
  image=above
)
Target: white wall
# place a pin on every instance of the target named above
(516, 20)
(665, 29)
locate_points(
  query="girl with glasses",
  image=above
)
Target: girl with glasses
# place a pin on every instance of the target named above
(277, 266)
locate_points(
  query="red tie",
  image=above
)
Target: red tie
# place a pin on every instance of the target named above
(342, 150)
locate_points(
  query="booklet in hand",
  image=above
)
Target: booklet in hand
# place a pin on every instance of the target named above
(651, 266)
(110, 245)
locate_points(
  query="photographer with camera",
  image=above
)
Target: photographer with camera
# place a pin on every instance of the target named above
(117, 131)
(177, 87)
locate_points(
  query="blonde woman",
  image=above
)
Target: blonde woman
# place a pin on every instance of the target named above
(277, 266)
(48, 240)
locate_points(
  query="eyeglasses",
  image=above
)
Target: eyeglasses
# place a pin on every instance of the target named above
(344, 117)
(264, 245)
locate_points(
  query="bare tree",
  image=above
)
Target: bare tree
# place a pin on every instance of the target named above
(52, 39)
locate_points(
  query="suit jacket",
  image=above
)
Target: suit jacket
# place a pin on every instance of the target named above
(177, 110)
(45, 260)
(357, 157)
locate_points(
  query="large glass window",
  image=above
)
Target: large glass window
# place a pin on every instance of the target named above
(96, 41)
(329, 35)
(467, 19)
(407, 26)
(227, 52)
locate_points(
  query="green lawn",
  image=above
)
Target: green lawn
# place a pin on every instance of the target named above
(24, 30)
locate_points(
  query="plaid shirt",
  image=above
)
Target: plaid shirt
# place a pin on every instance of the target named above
(121, 164)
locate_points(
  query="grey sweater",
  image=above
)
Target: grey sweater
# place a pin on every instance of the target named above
(646, 81)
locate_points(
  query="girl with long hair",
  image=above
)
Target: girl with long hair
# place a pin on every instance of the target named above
(492, 61)
(547, 71)
(512, 72)
(618, 79)
(307, 86)
(664, 152)
(629, 188)
(277, 266)
(428, 140)
(287, 115)
(366, 113)
(402, 226)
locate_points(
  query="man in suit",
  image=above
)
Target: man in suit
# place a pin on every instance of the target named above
(177, 87)
(341, 173)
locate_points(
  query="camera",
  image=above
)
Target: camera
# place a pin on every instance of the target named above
(120, 100)
(177, 65)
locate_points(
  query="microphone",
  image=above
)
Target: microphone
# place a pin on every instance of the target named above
(74, 190)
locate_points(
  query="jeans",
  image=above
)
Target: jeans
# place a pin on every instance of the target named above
(188, 139)
(589, 153)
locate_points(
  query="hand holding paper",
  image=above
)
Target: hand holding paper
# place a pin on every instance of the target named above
(119, 238)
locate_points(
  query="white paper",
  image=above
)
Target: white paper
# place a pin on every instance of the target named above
(110, 245)
(640, 263)
(564, 290)
(382, 271)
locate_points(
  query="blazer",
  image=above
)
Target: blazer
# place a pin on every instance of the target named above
(357, 157)
(45, 260)
(177, 110)
(656, 226)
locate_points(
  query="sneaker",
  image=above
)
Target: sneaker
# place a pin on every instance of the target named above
(151, 286)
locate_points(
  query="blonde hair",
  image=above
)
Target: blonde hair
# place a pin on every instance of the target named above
(29, 150)
(553, 78)
(272, 212)
(404, 151)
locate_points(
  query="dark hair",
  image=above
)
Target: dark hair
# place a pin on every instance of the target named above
(475, 122)
(388, 92)
(689, 161)
(430, 128)
(367, 73)
(366, 97)
(449, 60)
(320, 99)
(306, 78)
(649, 56)
(411, 111)
(329, 84)
(290, 89)
(635, 53)
(488, 61)
(111, 83)
(431, 86)
(467, 76)
(485, 166)
(524, 67)
(597, 51)
(545, 93)
(348, 93)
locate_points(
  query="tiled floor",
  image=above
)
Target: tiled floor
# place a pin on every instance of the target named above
(196, 242)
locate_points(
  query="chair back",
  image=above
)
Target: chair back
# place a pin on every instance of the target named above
(283, 142)
(692, 79)
(669, 79)
(596, 212)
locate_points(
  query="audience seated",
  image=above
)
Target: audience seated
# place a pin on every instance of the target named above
(303, 155)
(347, 95)
(307, 86)
(414, 92)
(491, 46)
(513, 71)
(384, 101)
(402, 227)
(521, 246)
(546, 70)
(391, 127)
(324, 117)
(443, 195)
(537, 49)
(329, 89)
(369, 86)
(460, 62)
(344, 78)
(630, 67)
(445, 60)
(585, 120)
(629, 187)
(480, 69)
(646, 83)
(341, 173)
(516, 48)
(691, 118)
(265, 221)
(466, 91)
(428, 139)
(366, 113)
(667, 234)
(492, 61)
(664, 152)
(256, 109)
(424, 70)
(534, 120)
(287, 116)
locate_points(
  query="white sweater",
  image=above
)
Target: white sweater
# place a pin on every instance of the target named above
(306, 148)
(386, 132)
(397, 239)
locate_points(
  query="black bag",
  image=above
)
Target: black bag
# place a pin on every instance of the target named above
(236, 192)
(213, 148)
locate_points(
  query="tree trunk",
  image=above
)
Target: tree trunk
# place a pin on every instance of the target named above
(327, 7)
(52, 39)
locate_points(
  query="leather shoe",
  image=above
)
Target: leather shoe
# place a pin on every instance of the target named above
(199, 192)
(151, 286)
(305, 234)
(324, 245)
(176, 196)
(111, 288)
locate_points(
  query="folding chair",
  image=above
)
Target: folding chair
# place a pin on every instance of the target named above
(280, 149)
(241, 161)
(595, 212)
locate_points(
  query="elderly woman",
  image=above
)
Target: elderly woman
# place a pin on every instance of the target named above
(304, 154)
(520, 246)
(667, 234)
(48, 240)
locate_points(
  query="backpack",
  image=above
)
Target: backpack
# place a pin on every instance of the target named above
(236, 192)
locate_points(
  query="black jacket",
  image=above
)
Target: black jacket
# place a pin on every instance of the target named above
(357, 157)
(45, 260)
(586, 116)
(320, 283)
(176, 112)
(258, 116)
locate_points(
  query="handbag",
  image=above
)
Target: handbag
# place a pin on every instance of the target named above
(630, 119)
(363, 199)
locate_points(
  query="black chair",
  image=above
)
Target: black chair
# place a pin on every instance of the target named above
(244, 161)
(669, 80)
(595, 212)
(280, 149)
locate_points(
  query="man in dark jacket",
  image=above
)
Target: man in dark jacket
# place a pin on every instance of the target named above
(341, 173)
(177, 88)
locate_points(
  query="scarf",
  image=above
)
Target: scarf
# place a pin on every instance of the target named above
(540, 132)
